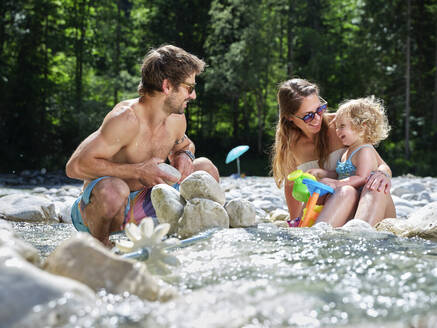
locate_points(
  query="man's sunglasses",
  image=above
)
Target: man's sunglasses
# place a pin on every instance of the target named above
(190, 86)
(310, 116)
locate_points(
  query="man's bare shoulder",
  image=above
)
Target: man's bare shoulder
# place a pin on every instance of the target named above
(124, 111)
(122, 119)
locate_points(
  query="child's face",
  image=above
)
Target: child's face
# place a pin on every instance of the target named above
(345, 131)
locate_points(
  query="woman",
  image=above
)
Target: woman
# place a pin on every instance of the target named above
(306, 139)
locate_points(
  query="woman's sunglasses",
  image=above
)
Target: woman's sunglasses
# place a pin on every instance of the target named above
(310, 116)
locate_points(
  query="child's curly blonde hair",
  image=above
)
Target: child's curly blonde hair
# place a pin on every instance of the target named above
(367, 116)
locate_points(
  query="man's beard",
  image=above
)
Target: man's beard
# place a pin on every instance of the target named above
(174, 108)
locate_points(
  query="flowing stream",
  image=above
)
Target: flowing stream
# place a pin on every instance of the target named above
(276, 277)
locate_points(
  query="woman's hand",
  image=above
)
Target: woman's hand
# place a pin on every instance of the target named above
(379, 181)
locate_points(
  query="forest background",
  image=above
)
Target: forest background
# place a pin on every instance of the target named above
(65, 63)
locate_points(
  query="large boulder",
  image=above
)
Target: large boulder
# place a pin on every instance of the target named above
(26, 207)
(201, 184)
(422, 223)
(85, 259)
(242, 213)
(25, 288)
(168, 205)
(201, 214)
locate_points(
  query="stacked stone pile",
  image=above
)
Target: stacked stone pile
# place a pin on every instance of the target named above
(200, 205)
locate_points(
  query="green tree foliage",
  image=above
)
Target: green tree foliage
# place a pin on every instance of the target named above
(65, 63)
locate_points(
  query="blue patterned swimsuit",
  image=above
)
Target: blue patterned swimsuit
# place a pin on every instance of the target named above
(346, 169)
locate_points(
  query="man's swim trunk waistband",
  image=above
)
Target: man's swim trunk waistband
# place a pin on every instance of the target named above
(139, 206)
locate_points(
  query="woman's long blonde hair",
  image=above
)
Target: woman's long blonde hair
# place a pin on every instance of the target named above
(290, 96)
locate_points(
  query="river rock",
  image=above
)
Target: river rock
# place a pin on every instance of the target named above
(279, 214)
(407, 188)
(201, 184)
(357, 225)
(85, 259)
(241, 213)
(63, 208)
(421, 223)
(168, 205)
(8, 238)
(25, 288)
(402, 212)
(201, 214)
(26, 207)
(172, 171)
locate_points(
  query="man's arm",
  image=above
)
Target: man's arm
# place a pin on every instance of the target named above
(182, 156)
(93, 157)
(179, 156)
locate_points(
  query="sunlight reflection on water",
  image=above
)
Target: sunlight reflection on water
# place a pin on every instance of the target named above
(271, 277)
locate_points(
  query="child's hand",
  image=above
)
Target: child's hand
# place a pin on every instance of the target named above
(330, 182)
(318, 173)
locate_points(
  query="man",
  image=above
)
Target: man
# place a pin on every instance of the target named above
(119, 162)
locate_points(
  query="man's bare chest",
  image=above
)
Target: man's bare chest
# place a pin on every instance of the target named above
(147, 146)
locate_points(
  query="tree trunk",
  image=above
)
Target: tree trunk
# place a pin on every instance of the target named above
(407, 86)
(260, 114)
(246, 116)
(261, 103)
(434, 110)
(117, 53)
(290, 40)
(79, 46)
(235, 101)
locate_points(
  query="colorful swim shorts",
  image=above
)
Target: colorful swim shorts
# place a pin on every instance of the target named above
(138, 207)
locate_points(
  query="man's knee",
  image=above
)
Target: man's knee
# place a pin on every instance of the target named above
(111, 195)
(204, 164)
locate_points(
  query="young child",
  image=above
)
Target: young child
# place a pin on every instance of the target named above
(360, 125)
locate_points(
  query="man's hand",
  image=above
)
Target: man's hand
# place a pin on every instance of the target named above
(183, 164)
(150, 174)
(377, 180)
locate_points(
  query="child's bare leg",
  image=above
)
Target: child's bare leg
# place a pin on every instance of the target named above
(339, 207)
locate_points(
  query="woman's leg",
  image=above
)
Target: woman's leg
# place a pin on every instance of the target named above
(375, 206)
(339, 207)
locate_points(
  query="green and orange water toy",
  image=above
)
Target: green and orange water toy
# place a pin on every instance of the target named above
(307, 189)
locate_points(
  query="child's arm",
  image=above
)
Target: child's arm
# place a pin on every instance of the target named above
(322, 173)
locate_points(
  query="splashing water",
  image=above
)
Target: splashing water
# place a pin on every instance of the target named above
(271, 277)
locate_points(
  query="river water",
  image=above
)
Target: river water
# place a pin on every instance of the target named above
(276, 277)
